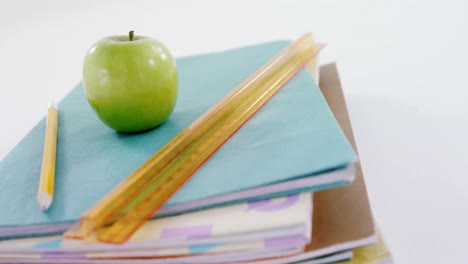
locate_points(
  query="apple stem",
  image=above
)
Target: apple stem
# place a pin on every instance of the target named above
(130, 35)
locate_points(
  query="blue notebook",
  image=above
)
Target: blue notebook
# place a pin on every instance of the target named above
(292, 144)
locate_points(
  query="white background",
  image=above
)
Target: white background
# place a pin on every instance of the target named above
(403, 64)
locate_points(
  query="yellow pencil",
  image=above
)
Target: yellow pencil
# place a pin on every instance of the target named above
(45, 194)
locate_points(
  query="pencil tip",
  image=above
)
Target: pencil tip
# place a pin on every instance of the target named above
(44, 200)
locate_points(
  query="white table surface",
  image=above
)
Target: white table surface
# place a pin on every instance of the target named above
(403, 64)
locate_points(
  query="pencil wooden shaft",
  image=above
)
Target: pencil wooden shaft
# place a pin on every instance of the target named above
(46, 183)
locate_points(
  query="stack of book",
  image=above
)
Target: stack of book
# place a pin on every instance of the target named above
(286, 188)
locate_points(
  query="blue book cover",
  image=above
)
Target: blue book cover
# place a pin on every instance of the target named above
(293, 136)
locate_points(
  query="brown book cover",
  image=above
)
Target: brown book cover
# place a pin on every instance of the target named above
(342, 216)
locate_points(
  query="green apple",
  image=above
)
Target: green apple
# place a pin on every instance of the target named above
(130, 82)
